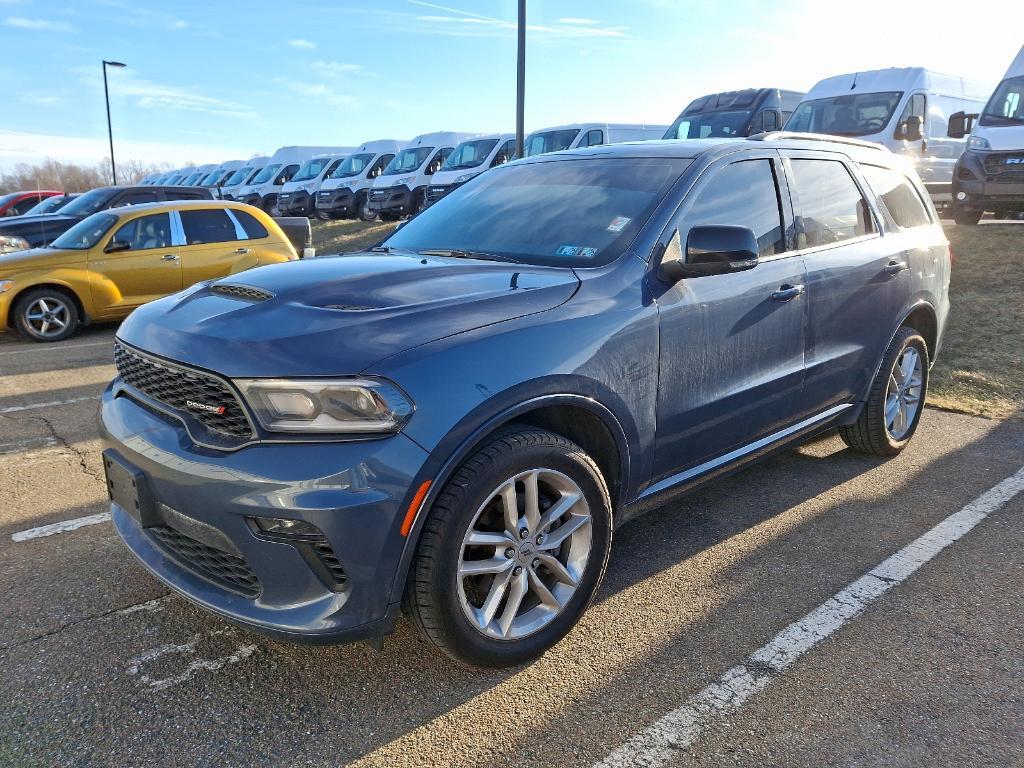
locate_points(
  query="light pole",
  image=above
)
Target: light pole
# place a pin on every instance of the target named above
(110, 130)
(521, 78)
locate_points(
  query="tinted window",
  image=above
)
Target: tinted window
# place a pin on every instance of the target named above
(743, 194)
(146, 232)
(86, 233)
(729, 123)
(506, 153)
(253, 229)
(552, 141)
(210, 225)
(136, 198)
(90, 202)
(174, 194)
(833, 208)
(25, 205)
(578, 213)
(901, 199)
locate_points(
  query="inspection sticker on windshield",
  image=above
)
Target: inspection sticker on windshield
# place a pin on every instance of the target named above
(618, 223)
(567, 250)
(588, 253)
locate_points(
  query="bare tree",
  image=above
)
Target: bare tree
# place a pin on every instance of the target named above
(71, 177)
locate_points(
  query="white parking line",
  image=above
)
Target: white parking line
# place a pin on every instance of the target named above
(50, 404)
(48, 348)
(62, 527)
(138, 663)
(682, 727)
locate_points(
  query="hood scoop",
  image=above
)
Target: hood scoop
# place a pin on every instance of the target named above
(244, 292)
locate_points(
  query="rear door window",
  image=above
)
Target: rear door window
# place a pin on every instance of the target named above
(743, 194)
(211, 225)
(898, 195)
(832, 207)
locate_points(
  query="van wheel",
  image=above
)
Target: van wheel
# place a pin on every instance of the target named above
(893, 409)
(363, 209)
(513, 550)
(46, 314)
(966, 216)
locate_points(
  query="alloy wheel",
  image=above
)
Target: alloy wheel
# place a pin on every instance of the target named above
(524, 554)
(47, 316)
(903, 395)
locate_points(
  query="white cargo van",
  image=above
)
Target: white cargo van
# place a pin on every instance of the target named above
(398, 191)
(906, 110)
(213, 179)
(343, 193)
(263, 188)
(990, 174)
(242, 176)
(298, 196)
(198, 174)
(470, 158)
(562, 137)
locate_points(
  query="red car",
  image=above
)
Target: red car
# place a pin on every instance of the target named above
(17, 203)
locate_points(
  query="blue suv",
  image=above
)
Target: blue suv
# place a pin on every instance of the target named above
(454, 422)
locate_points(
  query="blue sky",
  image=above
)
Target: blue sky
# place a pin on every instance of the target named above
(208, 81)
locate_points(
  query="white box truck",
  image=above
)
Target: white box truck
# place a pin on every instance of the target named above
(905, 109)
(989, 175)
(561, 137)
(298, 196)
(470, 159)
(398, 190)
(343, 194)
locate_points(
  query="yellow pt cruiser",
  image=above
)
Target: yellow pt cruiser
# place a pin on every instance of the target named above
(115, 260)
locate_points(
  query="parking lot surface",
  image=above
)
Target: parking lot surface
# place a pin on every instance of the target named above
(100, 666)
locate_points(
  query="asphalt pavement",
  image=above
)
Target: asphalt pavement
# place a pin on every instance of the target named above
(101, 667)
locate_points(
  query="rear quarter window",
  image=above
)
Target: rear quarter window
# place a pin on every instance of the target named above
(899, 196)
(253, 229)
(832, 207)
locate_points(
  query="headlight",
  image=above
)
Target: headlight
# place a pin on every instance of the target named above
(347, 406)
(406, 180)
(978, 143)
(5, 285)
(12, 243)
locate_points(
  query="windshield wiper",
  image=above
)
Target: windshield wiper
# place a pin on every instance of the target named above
(459, 253)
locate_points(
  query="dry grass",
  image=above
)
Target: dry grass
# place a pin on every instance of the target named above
(981, 369)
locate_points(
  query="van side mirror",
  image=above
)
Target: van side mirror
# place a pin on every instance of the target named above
(910, 129)
(117, 245)
(960, 124)
(710, 250)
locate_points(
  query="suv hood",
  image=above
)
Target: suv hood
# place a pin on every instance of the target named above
(17, 225)
(339, 316)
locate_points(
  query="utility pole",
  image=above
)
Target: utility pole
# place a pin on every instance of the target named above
(110, 129)
(521, 80)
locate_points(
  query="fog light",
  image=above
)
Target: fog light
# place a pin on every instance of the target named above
(286, 529)
(961, 196)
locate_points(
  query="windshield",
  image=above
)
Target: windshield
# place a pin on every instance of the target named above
(92, 201)
(552, 141)
(238, 176)
(8, 199)
(572, 213)
(710, 124)
(266, 174)
(353, 165)
(311, 168)
(49, 205)
(848, 115)
(210, 179)
(469, 154)
(407, 160)
(1006, 107)
(85, 234)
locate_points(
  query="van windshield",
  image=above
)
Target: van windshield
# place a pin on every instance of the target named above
(86, 233)
(210, 179)
(266, 174)
(353, 165)
(566, 213)
(702, 125)
(551, 141)
(238, 176)
(847, 115)
(407, 160)
(1006, 107)
(311, 168)
(469, 154)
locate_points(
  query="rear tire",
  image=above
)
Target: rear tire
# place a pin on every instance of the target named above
(966, 216)
(494, 588)
(46, 314)
(895, 402)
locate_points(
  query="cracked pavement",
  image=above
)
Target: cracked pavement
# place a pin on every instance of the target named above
(102, 667)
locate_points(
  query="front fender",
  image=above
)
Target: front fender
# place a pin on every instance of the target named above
(72, 279)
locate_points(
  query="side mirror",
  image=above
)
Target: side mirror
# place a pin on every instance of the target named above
(910, 129)
(117, 245)
(710, 250)
(960, 124)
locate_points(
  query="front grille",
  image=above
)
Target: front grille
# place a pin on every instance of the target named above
(378, 195)
(433, 194)
(996, 162)
(222, 568)
(1016, 177)
(242, 292)
(177, 386)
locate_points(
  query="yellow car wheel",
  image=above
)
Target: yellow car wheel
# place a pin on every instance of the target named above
(46, 314)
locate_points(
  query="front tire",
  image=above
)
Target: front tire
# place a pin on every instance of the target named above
(513, 550)
(363, 209)
(893, 409)
(966, 216)
(45, 315)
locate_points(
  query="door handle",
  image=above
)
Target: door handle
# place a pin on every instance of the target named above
(243, 250)
(895, 266)
(169, 257)
(787, 292)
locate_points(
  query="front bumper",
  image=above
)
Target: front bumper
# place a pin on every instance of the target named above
(986, 179)
(354, 491)
(251, 198)
(340, 200)
(295, 203)
(392, 200)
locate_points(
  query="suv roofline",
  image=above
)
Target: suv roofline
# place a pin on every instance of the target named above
(797, 136)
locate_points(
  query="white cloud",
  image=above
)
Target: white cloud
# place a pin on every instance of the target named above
(319, 91)
(298, 42)
(138, 16)
(335, 67)
(479, 25)
(41, 25)
(574, 20)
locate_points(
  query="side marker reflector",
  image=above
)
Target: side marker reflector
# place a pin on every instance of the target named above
(414, 507)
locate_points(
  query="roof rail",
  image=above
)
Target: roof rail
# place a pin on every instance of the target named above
(794, 135)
